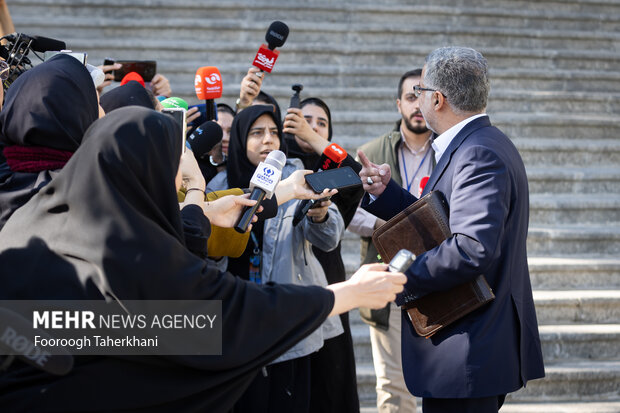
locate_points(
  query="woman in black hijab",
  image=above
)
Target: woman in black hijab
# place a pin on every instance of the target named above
(45, 114)
(333, 381)
(108, 227)
(130, 94)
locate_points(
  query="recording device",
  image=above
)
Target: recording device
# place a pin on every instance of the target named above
(208, 86)
(145, 68)
(331, 158)
(204, 138)
(295, 103)
(262, 185)
(339, 178)
(16, 340)
(267, 55)
(17, 48)
(401, 261)
(174, 102)
(179, 115)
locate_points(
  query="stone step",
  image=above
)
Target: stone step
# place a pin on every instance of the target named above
(598, 240)
(589, 180)
(368, 33)
(568, 152)
(357, 54)
(559, 342)
(546, 15)
(566, 381)
(612, 406)
(577, 306)
(557, 273)
(365, 78)
(567, 208)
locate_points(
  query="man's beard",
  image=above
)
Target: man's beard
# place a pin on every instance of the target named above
(418, 130)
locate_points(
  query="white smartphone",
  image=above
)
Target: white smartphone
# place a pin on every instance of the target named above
(180, 116)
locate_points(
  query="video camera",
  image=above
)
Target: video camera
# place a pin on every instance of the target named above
(16, 48)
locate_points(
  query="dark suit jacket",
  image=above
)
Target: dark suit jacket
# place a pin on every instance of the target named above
(495, 349)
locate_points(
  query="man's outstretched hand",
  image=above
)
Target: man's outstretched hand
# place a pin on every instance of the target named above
(379, 175)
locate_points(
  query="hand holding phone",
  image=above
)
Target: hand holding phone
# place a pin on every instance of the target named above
(179, 115)
(145, 68)
(339, 178)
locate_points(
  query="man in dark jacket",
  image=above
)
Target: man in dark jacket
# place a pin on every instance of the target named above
(470, 365)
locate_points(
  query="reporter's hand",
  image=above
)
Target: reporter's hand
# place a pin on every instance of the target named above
(190, 171)
(379, 174)
(371, 286)
(250, 86)
(319, 214)
(192, 113)
(224, 212)
(296, 124)
(161, 86)
(295, 187)
(109, 76)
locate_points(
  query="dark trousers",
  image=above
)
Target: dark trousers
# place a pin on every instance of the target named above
(478, 405)
(285, 388)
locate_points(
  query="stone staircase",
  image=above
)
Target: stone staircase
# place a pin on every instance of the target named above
(555, 69)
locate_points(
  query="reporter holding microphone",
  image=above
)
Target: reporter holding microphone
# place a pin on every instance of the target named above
(279, 252)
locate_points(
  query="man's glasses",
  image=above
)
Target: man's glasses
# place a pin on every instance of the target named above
(4, 70)
(417, 90)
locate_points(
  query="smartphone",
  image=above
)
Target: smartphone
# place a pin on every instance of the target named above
(339, 178)
(81, 57)
(401, 261)
(179, 115)
(145, 68)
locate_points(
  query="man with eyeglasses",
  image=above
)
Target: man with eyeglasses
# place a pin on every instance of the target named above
(407, 150)
(470, 365)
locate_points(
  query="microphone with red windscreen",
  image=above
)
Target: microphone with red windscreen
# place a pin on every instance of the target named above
(267, 55)
(331, 158)
(208, 86)
(132, 76)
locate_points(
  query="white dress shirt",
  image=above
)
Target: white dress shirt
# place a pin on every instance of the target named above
(441, 142)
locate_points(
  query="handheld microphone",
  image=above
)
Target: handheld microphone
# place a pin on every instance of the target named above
(267, 55)
(174, 102)
(45, 44)
(295, 103)
(132, 76)
(262, 184)
(331, 158)
(208, 86)
(204, 138)
(16, 339)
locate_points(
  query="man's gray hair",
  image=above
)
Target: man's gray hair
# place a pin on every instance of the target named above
(461, 75)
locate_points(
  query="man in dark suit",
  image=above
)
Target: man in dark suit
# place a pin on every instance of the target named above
(472, 364)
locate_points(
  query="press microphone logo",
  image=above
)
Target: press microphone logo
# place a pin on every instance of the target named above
(197, 80)
(276, 35)
(268, 172)
(265, 58)
(213, 79)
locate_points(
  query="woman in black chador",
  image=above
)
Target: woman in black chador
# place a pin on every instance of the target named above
(45, 114)
(108, 226)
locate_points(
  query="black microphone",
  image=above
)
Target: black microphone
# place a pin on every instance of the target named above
(276, 34)
(295, 103)
(263, 184)
(44, 44)
(267, 55)
(204, 138)
(16, 339)
(331, 158)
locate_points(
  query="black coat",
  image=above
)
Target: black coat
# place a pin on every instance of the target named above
(108, 226)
